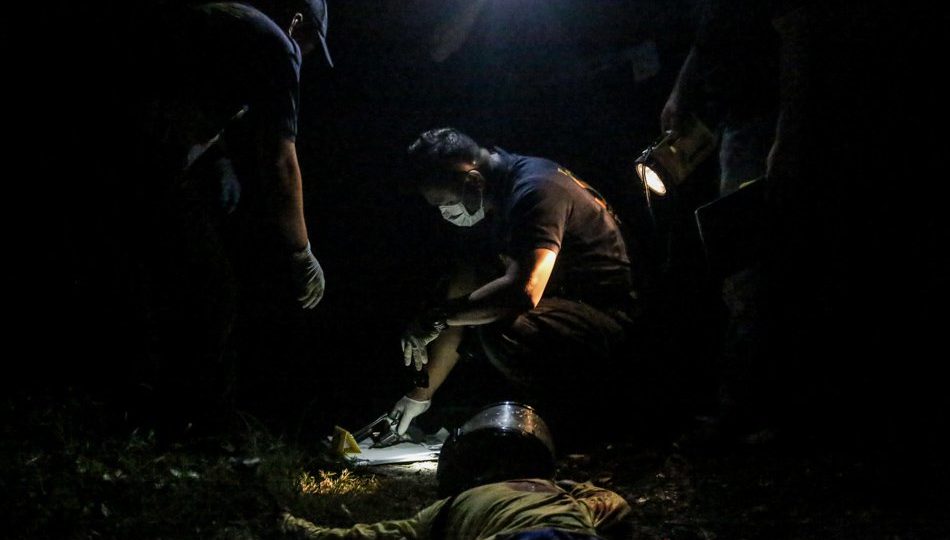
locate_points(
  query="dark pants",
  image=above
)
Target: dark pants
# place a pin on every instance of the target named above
(188, 299)
(567, 358)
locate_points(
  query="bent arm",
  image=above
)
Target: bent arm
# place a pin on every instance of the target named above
(518, 290)
(685, 94)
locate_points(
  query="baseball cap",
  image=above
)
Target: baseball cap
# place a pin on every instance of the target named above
(317, 15)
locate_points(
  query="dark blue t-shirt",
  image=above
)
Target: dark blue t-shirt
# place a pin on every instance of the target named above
(223, 56)
(546, 206)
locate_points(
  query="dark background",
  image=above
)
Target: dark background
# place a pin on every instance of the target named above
(544, 78)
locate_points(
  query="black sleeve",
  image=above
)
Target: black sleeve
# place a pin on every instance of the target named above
(282, 98)
(733, 23)
(538, 217)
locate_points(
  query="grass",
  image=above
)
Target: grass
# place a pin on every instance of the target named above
(75, 476)
(70, 471)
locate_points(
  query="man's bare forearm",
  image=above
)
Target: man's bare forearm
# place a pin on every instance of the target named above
(288, 197)
(442, 358)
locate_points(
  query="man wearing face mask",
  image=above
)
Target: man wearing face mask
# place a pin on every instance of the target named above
(560, 303)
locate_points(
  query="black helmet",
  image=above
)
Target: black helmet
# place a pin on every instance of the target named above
(503, 441)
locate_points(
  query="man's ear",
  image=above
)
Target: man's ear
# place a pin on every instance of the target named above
(475, 177)
(294, 21)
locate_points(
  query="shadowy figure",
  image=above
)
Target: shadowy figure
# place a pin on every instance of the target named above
(845, 264)
(730, 79)
(208, 115)
(853, 277)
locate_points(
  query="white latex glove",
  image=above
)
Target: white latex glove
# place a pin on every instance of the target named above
(406, 409)
(308, 277)
(415, 340)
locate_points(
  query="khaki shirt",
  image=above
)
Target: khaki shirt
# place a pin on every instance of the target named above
(492, 509)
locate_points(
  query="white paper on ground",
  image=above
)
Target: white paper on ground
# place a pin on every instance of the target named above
(404, 452)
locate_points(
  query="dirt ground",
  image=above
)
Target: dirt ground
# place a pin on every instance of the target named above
(67, 474)
(751, 491)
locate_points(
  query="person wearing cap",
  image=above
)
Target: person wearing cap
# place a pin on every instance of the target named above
(211, 95)
(221, 67)
(496, 479)
(552, 302)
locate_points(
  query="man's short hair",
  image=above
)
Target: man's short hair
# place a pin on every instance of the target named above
(441, 149)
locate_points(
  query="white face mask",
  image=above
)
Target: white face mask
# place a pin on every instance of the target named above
(457, 214)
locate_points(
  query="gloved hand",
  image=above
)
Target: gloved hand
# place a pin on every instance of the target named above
(308, 277)
(417, 337)
(406, 409)
(230, 185)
